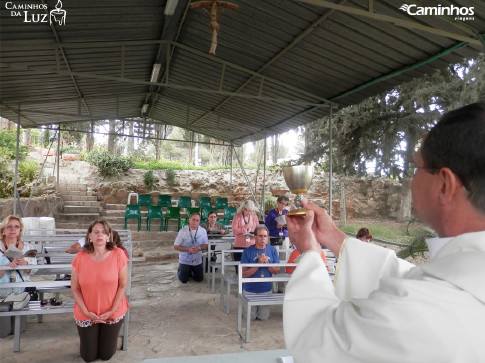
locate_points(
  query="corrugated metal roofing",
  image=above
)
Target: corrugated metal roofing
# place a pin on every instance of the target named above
(279, 63)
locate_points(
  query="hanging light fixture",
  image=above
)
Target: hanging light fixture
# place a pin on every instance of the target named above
(155, 72)
(170, 7)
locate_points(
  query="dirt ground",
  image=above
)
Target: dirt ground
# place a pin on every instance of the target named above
(168, 319)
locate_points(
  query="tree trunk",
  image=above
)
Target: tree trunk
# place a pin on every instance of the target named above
(111, 137)
(131, 139)
(405, 209)
(158, 142)
(27, 137)
(275, 149)
(343, 204)
(191, 147)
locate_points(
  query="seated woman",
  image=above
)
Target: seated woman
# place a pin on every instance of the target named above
(364, 235)
(11, 233)
(295, 258)
(212, 226)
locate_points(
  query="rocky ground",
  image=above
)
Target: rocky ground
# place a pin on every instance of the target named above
(168, 319)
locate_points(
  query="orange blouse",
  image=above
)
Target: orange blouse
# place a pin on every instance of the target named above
(295, 258)
(98, 282)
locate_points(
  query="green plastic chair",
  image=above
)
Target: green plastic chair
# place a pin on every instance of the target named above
(154, 212)
(190, 211)
(145, 200)
(205, 213)
(184, 202)
(221, 203)
(133, 212)
(224, 223)
(229, 213)
(164, 200)
(205, 202)
(184, 223)
(172, 213)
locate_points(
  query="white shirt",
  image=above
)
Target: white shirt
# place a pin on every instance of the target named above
(384, 309)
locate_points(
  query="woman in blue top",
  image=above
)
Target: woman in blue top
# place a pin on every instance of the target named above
(277, 230)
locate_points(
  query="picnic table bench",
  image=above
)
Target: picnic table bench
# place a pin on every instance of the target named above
(213, 242)
(52, 245)
(229, 278)
(250, 300)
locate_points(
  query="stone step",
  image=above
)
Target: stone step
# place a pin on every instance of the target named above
(80, 193)
(151, 245)
(77, 217)
(162, 254)
(69, 209)
(92, 198)
(115, 207)
(72, 187)
(113, 213)
(82, 203)
(72, 225)
(140, 236)
(132, 224)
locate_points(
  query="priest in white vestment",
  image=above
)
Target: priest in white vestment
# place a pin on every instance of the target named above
(381, 308)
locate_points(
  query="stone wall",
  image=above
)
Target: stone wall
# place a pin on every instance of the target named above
(366, 197)
(43, 206)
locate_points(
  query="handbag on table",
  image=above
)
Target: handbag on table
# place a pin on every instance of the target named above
(19, 300)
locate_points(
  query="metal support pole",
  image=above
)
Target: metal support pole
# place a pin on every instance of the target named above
(247, 181)
(330, 196)
(58, 156)
(230, 181)
(16, 196)
(264, 178)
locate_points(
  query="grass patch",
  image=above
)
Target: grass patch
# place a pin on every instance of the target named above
(389, 231)
(173, 165)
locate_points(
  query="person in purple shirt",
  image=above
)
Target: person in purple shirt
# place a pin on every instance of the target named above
(275, 229)
(278, 234)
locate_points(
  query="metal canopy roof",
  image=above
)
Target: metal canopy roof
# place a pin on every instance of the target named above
(279, 63)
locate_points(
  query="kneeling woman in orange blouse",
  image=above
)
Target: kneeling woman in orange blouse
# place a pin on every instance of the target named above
(98, 283)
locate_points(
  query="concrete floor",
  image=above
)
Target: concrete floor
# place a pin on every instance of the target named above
(168, 319)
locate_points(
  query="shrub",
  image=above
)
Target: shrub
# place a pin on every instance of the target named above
(28, 171)
(70, 149)
(170, 174)
(8, 145)
(149, 179)
(109, 165)
(269, 203)
(6, 183)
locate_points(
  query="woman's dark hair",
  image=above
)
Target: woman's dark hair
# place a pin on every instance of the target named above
(212, 212)
(110, 245)
(117, 239)
(457, 142)
(282, 198)
(364, 232)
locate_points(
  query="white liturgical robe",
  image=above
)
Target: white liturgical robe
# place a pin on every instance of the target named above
(384, 309)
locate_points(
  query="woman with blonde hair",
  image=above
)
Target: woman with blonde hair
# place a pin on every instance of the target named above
(243, 225)
(11, 230)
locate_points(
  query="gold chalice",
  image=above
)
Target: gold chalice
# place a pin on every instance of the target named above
(298, 178)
